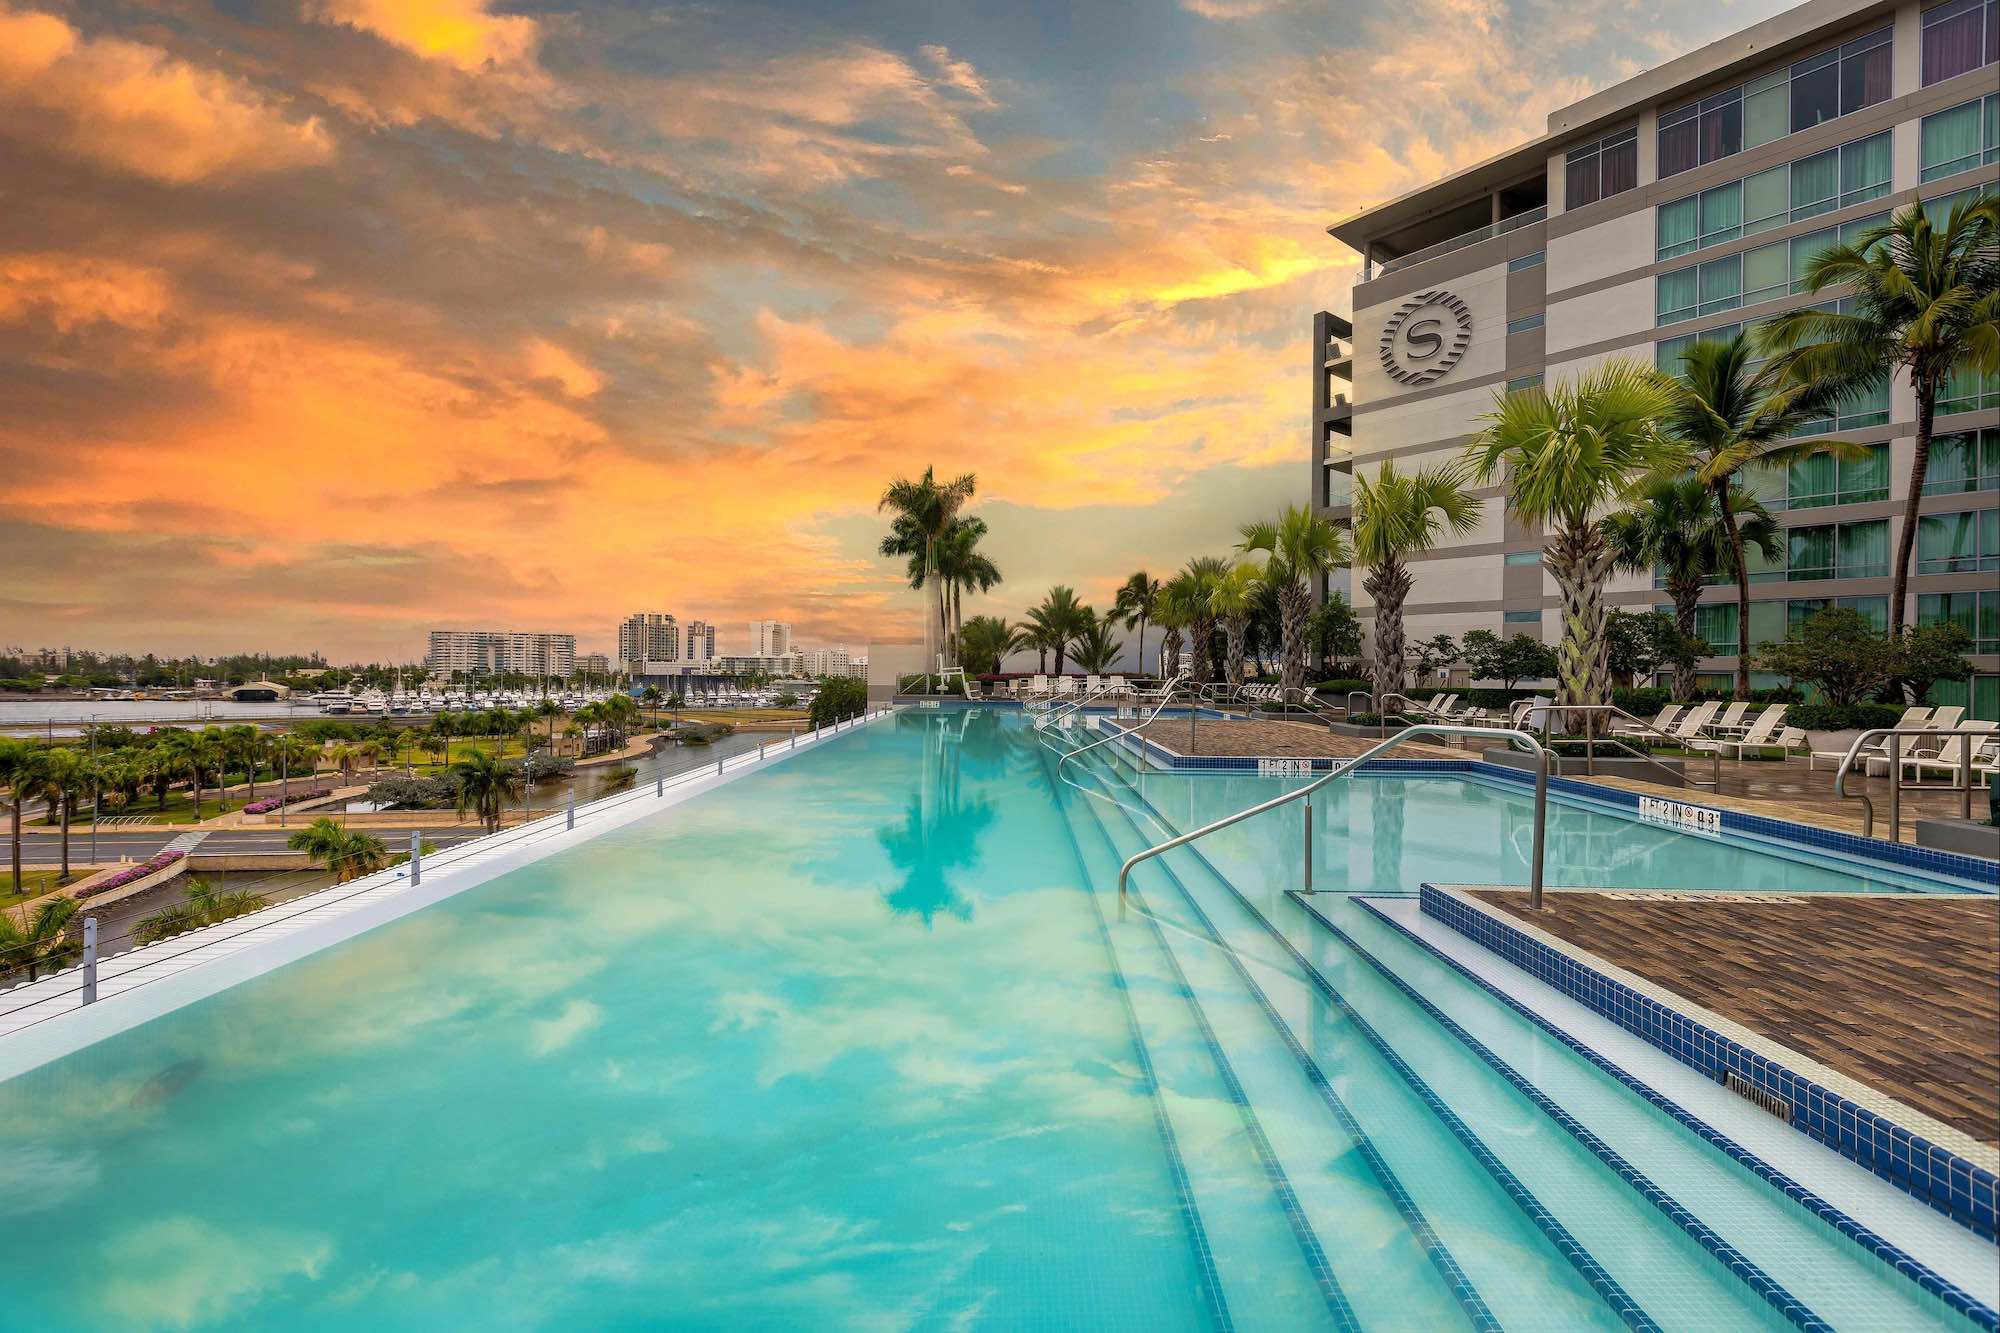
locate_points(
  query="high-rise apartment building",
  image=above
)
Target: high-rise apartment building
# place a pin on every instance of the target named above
(1684, 204)
(474, 653)
(648, 636)
(700, 641)
(770, 638)
(830, 662)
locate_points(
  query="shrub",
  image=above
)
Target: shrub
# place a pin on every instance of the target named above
(265, 805)
(406, 793)
(837, 701)
(1339, 689)
(619, 778)
(1838, 651)
(1841, 717)
(129, 875)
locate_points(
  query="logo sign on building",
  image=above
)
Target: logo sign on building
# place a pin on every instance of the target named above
(1426, 336)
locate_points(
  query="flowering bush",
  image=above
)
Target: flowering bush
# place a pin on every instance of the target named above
(270, 803)
(130, 874)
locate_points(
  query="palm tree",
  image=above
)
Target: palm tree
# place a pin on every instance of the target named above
(961, 564)
(1095, 649)
(1302, 546)
(985, 641)
(17, 763)
(40, 940)
(1731, 417)
(1232, 599)
(485, 785)
(1396, 515)
(1061, 617)
(1924, 301)
(347, 853)
(1570, 452)
(651, 694)
(924, 512)
(205, 905)
(1037, 633)
(1202, 574)
(60, 776)
(1173, 611)
(1135, 601)
(244, 744)
(1677, 527)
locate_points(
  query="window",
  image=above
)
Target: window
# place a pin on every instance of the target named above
(1767, 273)
(1767, 200)
(1811, 91)
(1977, 612)
(1843, 551)
(1521, 617)
(1521, 382)
(1716, 622)
(1822, 479)
(1599, 170)
(1667, 352)
(1524, 558)
(1960, 139)
(1959, 35)
(1525, 323)
(1534, 260)
(1850, 174)
(1967, 461)
(1966, 390)
(1705, 289)
(1958, 543)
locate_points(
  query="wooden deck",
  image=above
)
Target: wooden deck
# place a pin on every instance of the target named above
(1898, 991)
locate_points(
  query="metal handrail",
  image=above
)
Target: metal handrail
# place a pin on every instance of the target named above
(1062, 708)
(1354, 766)
(1166, 696)
(1892, 752)
(1592, 741)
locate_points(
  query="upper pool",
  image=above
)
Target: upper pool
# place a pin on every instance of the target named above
(852, 1042)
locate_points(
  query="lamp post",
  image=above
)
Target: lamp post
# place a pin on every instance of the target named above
(96, 791)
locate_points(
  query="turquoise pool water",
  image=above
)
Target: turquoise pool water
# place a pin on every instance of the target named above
(858, 1041)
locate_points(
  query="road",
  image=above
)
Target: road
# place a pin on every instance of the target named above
(44, 848)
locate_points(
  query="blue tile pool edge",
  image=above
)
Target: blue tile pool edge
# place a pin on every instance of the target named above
(1875, 1142)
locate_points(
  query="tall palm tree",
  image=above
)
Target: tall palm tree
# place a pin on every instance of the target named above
(1095, 647)
(1202, 573)
(1135, 600)
(985, 641)
(485, 785)
(347, 853)
(17, 766)
(1396, 515)
(1061, 617)
(1924, 300)
(60, 777)
(1302, 546)
(924, 511)
(549, 710)
(961, 564)
(1232, 598)
(1731, 416)
(1173, 611)
(1570, 452)
(1676, 526)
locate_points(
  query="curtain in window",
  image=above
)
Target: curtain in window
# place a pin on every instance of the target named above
(1953, 464)
(1580, 181)
(1866, 478)
(1815, 91)
(1875, 610)
(1810, 553)
(1763, 570)
(1679, 226)
(1866, 406)
(1767, 109)
(1803, 250)
(1801, 609)
(1721, 212)
(1864, 549)
(1767, 199)
(1716, 622)
(1722, 126)
(1680, 142)
(1619, 167)
(1950, 141)
(1721, 285)
(1675, 299)
(1766, 272)
(1815, 184)
(1954, 40)
(1992, 142)
(1864, 73)
(1864, 169)
(1812, 481)
(1763, 483)
(1946, 542)
(1767, 622)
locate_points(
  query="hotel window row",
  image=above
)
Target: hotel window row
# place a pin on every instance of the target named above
(1763, 274)
(1960, 36)
(1837, 178)
(1960, 139)
(1811, 91)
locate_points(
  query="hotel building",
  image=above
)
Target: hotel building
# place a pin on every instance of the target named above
(482, 652)
(1684, 203)
(648, 636)
(770, 638)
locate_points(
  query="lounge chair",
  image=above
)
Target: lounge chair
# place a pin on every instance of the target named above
(1692, 722)
(1038, 688)
(1659, 724)
(1876, 753)
(1762, 731)
(1731, 719)
(1118, 685)
(1945, 718)
(1950, 758)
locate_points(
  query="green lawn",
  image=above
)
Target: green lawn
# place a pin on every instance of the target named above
(34, 883)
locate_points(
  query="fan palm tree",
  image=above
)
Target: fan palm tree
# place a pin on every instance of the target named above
(347, 853)
(1676, 527)
(1135, 600)
(1731, 416)
(60, 777)
(1202, 573)
(1233, 597)
(1570, 452)
(650, 696)
(1301, 546)
(1925, 301)
(1095, 649)
(1060, 617)
(1173, 611)
(924, 511)
(984, 642)
(1396, 515)
(17, 766)
(40, 940)
(485, 785)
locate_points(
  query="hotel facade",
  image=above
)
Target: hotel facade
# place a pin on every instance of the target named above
(1684, 204)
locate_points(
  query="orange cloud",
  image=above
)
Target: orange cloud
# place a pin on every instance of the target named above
(137, 109)
(462, 33)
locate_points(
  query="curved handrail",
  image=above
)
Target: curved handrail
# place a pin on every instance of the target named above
(1353, 766)
(1590, 754)
(1166, 696)
(1896, 773)
(1062, 708)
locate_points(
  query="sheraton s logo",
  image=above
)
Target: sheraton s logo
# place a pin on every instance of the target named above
(1425, 338)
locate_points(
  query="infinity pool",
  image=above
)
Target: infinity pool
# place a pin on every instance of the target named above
(860, 1041)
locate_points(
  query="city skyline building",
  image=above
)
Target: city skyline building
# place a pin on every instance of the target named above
(770, 638)
(500, 652)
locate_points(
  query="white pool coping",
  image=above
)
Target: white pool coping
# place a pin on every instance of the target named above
(1926, 1235)
(43, 1020)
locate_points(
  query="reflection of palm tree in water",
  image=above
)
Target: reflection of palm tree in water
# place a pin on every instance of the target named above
(939, 832)
(1386, 834)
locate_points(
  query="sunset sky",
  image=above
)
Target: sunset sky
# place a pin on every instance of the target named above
(323, 322)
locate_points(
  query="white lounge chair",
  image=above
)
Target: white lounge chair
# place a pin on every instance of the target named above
(1876, 754)
(1950, 758)
(1731, 719)
(1945, 718)
(1119, 685)
(1659, 724)
(1762, 731)
(1038, 688)
(1692, 722)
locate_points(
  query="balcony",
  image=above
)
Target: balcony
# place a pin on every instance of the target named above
(1445, 247)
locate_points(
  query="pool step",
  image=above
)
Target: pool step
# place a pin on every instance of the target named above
(1261, 1270)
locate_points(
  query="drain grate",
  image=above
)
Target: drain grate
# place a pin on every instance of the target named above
(1750, 1092)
